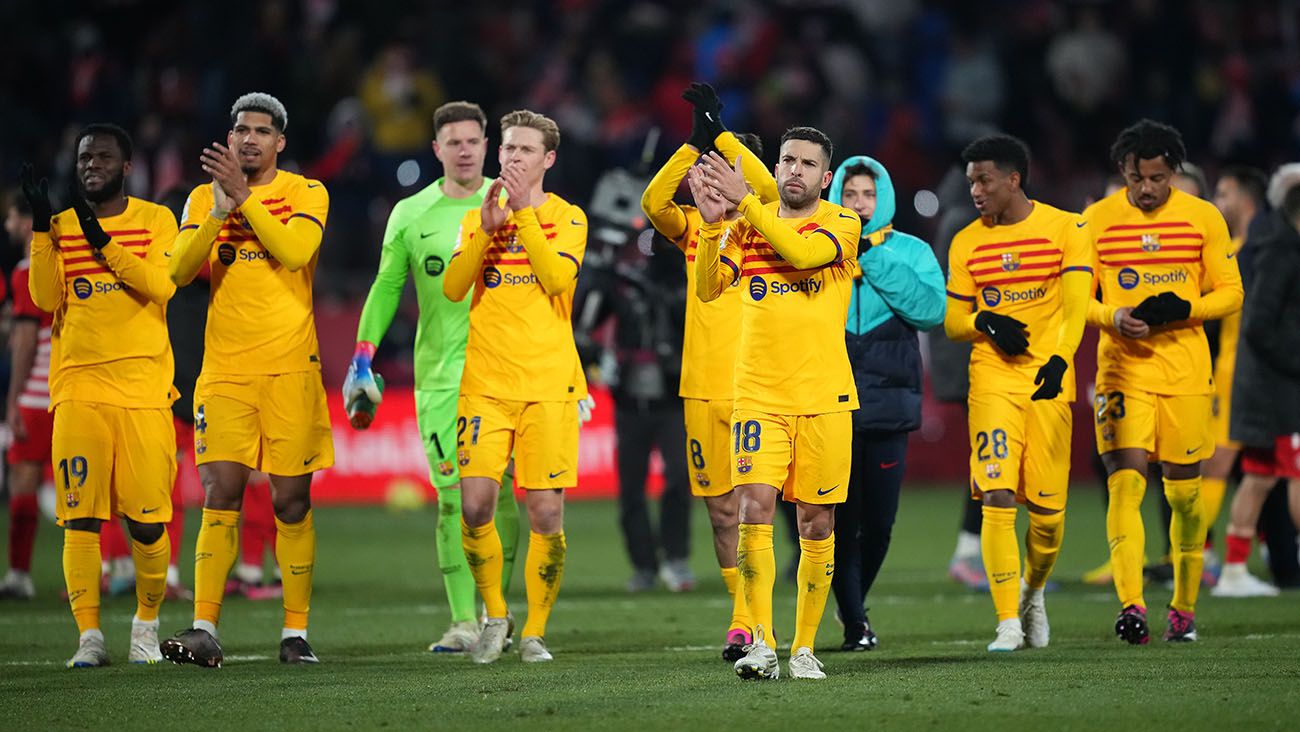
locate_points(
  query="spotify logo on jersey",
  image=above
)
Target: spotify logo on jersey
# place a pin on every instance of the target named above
(491, 277)
(433, 265)
(991, 295)
(226, 253)
(757, 288)
(1128, 278)
(82, 288)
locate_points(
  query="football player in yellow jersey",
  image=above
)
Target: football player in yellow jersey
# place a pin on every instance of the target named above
(1165, 264)
(791, 426)
(259, 403)
(522, 380)
(710, 342)
(101, 269)
(1018, 280)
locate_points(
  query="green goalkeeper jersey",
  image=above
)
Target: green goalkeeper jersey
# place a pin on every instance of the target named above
(419, 240)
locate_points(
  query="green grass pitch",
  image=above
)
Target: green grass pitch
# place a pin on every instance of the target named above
(652, 660)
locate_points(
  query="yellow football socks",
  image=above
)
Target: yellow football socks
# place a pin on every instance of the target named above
(483, 552)
(150, 576)
(1212, 492)
(1001, 553)
(1186, 540)
(543, 570)
(215, 551)
(1126, 534)
(295, 552)
(740, 619)
(757, 566)
(816, 567)
(81, 573)
(1042, 545)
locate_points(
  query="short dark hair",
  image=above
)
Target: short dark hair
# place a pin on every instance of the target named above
(1009, 154)
(857, 169)
(810, 134)
(458, 112)
(1251, 180)
(1147, 139)
(1291, 204)
(752, 141)
(105, 128)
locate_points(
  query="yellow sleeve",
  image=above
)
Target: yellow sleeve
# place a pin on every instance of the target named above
(818, 249)
(466, 258)
(1076, 287)
(198, 232)
(554, 263)
(758, 176)
(147, 276)
(959, 317)
(295, 242)
(45, 276)
(716, 258)
(657, 202)
(1221, 270)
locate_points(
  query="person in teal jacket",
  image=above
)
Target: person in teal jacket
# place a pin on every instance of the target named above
(900, 292)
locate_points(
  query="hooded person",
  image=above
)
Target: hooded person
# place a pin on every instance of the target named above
(900, 292)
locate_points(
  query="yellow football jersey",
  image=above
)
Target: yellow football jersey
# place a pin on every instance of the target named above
(110, 342)
(260, 318)
(520, 319)
(1183, 247)
(711, 340)
(792, 357)
(1016, 270)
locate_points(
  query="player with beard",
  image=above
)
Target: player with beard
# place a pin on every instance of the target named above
(100, 267)
(259, 403)
(794, 259)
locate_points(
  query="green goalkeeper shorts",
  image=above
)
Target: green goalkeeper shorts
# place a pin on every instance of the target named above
(435, 411)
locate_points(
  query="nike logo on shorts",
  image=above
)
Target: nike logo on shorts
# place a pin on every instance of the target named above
(310, 460)
(556, 475)
(1045, 495)
(148, 510)
(821, 492)
(1194, 450)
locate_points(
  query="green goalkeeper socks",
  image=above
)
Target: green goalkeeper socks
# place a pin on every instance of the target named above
(456, 576)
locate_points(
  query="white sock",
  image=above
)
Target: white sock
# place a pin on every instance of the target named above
(968, 545)
(206, 625)
(292, 633)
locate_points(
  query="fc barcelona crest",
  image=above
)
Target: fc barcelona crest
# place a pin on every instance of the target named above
(463, 458)
(72, 499)
(993, 470)
(1010, 261)
(744, 464)
(445, 468)
(1150, 242)
(702, 480)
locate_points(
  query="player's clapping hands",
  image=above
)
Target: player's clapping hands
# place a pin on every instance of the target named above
(727, 180)
(491, 214)
(708, 200)
(517, 189)
(220, 162)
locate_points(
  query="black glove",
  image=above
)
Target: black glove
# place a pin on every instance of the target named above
(1162, 309)
(38, 198)
(1049, 376)
(1008, 334)
(95, 235)
(707, 119)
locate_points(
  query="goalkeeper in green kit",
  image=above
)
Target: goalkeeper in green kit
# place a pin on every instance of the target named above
(421, 234)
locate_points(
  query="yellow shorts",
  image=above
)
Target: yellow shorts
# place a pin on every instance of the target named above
(708, 445)
(113, 461)
(276, 423)
(806, 458)
(1020, 445)
(1171, 428)
(542, 435)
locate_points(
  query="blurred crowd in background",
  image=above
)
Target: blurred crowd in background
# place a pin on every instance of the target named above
(906, 81)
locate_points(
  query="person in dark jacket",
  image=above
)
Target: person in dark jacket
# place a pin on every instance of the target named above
(1265, 416)
(901, 291)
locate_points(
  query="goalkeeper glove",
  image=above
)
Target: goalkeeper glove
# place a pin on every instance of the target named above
(586, 406)
(707, 118)
(363, 389)
(38, 198)
(95, 235)
(1049, 376)
(1162, 309)
(1007, 333)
